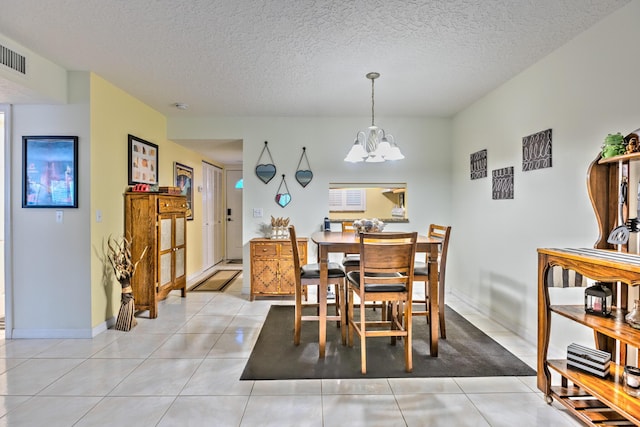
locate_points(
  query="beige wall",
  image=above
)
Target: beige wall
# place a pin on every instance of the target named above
(583, 91)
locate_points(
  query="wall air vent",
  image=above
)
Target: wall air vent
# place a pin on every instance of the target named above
(13, 60)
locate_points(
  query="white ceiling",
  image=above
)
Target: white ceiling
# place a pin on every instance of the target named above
(299, 57)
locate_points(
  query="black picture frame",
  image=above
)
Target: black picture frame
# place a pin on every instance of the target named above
(143, 161)
(49, 171)
(183, 178)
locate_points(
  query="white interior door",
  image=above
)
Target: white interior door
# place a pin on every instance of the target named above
(234, 214)
(6, 308)
(211, 216)
(2, 295)
(218, 215)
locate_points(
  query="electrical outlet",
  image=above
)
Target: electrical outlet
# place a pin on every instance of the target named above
(59, 217)
(257, 212)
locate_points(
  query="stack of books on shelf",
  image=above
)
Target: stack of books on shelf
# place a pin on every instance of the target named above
(587, 359)
(169, 190)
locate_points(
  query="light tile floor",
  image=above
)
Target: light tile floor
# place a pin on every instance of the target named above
(182, 369)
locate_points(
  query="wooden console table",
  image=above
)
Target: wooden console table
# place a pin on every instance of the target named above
(594, 400)
(272, 271)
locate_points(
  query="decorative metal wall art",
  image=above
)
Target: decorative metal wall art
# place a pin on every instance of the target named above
(304, 176)
(478, 164)
(283, 198)
(265, 171)
(502, 183)
(536, 151)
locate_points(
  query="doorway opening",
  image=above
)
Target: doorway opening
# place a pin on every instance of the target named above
(233, 253)
(3, 141)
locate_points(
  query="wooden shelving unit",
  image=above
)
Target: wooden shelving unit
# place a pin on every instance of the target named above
(596, 401)
(622, 158)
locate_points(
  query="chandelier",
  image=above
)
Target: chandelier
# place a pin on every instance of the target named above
(373, 145)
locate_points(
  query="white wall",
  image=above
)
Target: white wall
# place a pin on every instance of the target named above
(426, 169)
(583, 91)
(50, 261)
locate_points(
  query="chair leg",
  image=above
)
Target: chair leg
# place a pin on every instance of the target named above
(426, 295)
(363, 339)
(297, 324)
(392, 317)
(350, 330)
(340, 299)
(408, 343)
(443, 332)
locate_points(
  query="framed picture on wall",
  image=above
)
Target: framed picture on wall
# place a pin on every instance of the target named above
(143, 161)
(184, 180)
(49, 171)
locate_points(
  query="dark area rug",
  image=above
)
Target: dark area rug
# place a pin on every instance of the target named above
(467, 352)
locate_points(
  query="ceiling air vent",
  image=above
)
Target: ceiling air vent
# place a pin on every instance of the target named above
(13, 60)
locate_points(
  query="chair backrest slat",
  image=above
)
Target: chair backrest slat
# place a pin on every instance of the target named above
(295, 253)
(386, 253)
(443, 233)
(347, 226)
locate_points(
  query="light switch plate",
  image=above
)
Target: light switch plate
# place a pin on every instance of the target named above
(59, 217)
(257, 212)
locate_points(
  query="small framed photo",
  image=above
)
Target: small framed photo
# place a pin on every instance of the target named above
(143, 161)
(49, 171)
(184, 181)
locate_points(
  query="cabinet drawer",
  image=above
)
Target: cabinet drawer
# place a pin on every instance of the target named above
(287, 251)
(268, 250)
(170, 204)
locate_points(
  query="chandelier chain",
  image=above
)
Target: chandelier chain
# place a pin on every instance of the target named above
(372, 103)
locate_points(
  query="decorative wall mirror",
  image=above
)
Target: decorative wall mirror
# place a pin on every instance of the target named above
(304, 176)
(265, 171)
(283, 198)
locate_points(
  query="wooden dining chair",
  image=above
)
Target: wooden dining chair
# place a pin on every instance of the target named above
(309, 275)
(421, 274)
(350, 262)
(385, 274)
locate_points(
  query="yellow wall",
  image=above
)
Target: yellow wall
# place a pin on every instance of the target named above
(114, 115)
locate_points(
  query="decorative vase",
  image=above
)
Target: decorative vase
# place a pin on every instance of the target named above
(368, 225)
(633, 317)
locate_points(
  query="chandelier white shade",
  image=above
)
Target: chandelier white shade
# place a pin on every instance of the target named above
(373, 145)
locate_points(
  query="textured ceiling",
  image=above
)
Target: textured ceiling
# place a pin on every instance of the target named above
(300, 57)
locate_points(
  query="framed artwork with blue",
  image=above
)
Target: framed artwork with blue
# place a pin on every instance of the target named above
(49, 171)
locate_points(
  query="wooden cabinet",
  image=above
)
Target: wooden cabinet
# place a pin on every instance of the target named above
(272, 271)
(157, 222)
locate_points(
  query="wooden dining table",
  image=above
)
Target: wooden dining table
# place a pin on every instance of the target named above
(349, 242)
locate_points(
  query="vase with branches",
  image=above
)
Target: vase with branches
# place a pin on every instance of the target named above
(119, 255)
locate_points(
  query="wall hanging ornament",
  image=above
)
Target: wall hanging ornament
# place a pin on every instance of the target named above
(283, 198)
(265, 171)
(304, 176)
